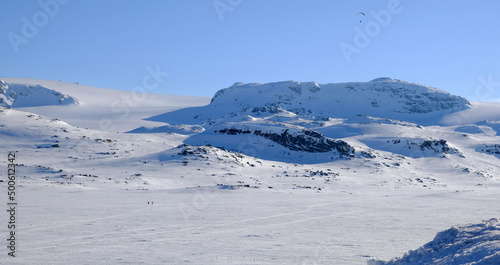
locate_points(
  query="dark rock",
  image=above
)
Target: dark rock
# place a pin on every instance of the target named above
(305, 140)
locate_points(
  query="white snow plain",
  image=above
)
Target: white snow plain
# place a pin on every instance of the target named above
(174, 191)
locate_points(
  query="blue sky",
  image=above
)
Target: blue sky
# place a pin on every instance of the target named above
(206, 45)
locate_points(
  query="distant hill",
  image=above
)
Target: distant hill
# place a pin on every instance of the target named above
(23, 95)
(381, 97)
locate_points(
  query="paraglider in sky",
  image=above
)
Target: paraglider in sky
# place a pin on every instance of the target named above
(360, 13)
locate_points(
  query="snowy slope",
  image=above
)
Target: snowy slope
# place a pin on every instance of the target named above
(280, 176)
(97, 108)
(468, 244)
(479, 112)
(20, 95)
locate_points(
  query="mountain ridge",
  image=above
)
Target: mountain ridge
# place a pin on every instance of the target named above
(381, 97)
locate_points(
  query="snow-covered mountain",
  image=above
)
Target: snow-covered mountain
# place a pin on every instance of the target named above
(299, 122)
(95, 108)
(279, 173)
(18, 96)
(381, 97)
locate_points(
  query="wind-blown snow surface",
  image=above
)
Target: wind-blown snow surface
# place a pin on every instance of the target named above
(470, 244)
(251, 178)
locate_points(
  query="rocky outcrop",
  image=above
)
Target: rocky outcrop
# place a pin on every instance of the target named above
(438, 146)
(490, 149)
(304, 140)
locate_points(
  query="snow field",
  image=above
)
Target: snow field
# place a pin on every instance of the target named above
(224, 194)
(258, 226)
